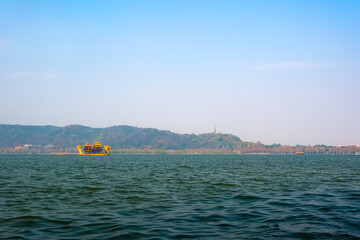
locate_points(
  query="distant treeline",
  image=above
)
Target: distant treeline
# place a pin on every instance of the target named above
(257, 148)
(127, 139)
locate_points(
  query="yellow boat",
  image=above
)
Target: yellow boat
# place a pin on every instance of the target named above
(93, 150)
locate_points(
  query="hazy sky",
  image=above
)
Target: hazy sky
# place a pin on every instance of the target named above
(273, 71)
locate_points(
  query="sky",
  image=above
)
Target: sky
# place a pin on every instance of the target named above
(283, 72)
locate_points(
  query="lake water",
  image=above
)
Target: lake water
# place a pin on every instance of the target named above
(179, 197)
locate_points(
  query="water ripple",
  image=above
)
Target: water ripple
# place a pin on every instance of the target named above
(179, 197)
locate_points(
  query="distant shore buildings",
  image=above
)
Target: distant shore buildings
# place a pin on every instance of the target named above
(245, 148)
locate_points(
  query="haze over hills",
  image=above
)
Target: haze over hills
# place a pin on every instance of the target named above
(12, 136)
(46, 139)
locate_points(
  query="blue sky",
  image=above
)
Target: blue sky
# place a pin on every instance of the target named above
(273, 71)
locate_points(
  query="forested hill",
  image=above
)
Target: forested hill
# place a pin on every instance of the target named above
(12, 136)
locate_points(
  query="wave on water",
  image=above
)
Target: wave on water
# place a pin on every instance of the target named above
(165, 197)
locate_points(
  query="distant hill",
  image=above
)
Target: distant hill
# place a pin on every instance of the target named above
(45, 139)
(117, 137)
